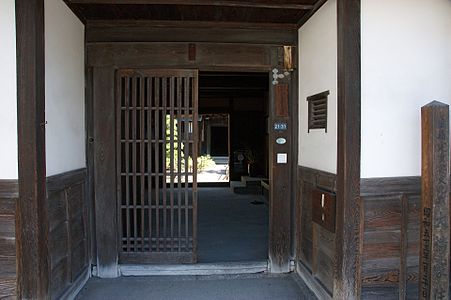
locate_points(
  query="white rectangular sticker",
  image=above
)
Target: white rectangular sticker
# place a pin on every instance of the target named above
(282, 158)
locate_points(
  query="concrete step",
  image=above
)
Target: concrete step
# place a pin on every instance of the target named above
(247, 191)
(251, 181)
(203, 269)
(239, 187)
(220, 160)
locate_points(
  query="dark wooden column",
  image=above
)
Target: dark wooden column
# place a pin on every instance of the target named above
(280, 176)
(434, 241)
(348, 224)
(31, 220)
(104, 172)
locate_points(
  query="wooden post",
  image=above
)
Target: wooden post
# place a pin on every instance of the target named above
(348, 239)
(31, 213)
(280, 177)
(434, 241)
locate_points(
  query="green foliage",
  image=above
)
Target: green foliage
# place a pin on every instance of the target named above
(205, 162)
(175, 146)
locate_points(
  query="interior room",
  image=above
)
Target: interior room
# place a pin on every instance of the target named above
(233, 211)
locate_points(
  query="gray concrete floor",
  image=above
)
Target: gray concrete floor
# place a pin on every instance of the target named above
(230, 228)
(237, 287)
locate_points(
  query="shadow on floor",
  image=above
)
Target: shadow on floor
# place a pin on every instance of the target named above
(230, 227)
(237, 287)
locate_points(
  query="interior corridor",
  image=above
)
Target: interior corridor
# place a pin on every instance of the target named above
(231, 227)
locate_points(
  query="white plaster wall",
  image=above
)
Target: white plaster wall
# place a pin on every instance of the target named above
(318, 73)
(8, 88)
(406, 63)
(64, 88)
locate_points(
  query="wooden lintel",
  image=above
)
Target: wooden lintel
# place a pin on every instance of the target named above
(281, 4)
(434, 230)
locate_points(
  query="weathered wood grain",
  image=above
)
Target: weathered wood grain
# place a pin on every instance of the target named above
(317, 244)
(151, 31)
(348, 225)
(105, 177)
(390, 237)
(31, 217)
(434, 216)
(209, 56)
(68, 239)
(8, 200)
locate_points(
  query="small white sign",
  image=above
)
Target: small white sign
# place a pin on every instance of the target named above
(281, 141)
(282, 158)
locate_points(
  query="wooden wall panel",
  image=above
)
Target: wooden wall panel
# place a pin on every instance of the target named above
(68, 234)
(8, 198)
(390, 262)
(316, 245)
(390, 237)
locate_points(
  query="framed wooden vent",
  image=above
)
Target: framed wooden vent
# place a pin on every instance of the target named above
(317, 111)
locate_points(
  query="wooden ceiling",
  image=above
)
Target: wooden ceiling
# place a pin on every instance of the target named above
(248, 13)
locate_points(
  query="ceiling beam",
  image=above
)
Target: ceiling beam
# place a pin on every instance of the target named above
(281, 4)
(310, 14)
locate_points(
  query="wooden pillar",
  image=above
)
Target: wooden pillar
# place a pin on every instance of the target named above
(104, 172)
(347, 282)
(434, 241)
(31, 215)
(281, 159)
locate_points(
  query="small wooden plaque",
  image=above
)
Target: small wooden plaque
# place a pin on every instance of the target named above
(323, 209)
(281, 98)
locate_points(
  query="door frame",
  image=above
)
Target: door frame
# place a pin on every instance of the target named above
(235, 58)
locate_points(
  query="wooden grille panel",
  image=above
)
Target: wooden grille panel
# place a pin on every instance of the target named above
(317, 111)
(157, 137)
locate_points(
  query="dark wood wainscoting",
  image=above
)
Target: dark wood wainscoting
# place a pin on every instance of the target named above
(390, 217)
(9, 193)
(315, 244)
(68, 232)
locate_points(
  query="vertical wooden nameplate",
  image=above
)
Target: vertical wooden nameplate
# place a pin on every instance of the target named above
(435, 234)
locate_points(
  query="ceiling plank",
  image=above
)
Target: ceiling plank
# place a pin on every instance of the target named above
(310, 14)
(282, 4)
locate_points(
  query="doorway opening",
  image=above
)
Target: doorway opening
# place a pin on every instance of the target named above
(233, 216)
(213, 161)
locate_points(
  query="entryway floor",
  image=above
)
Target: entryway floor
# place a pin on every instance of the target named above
(230, 227)
(236, 287)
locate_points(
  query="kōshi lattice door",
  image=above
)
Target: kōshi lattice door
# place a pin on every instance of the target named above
(157, 141)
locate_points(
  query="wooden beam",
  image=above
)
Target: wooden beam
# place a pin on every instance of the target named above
(348, 234)
(307, 16)
(281, 4)
(31, 217)
(434, 240)
(189, 31)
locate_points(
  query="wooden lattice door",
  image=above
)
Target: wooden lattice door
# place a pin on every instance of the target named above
(157, 138)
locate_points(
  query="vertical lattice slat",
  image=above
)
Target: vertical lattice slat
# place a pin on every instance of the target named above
(179, 161)
(187, 145)
(194, 105)
(171, 157)
(141, 160)
(150, 125)
(157, 161)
